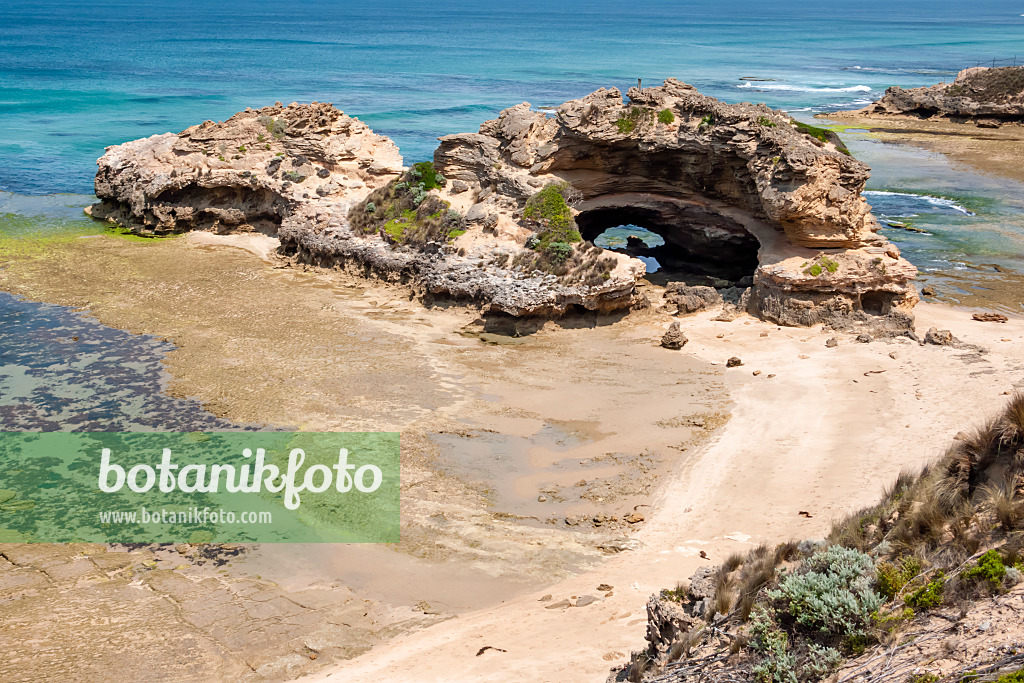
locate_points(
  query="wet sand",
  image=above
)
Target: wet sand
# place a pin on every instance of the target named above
(522, 456)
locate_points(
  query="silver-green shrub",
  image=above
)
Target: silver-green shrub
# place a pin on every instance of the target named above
(833, 592)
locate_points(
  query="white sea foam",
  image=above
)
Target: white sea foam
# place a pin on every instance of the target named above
(801, 88)
(934, 201)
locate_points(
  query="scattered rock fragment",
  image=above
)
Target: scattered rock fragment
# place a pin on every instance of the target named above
(733, 362)
(546, 598)
(831, 342)
(928, 291)
(633, 518)
(585, 600)
(864, 338)
(561, 604)
(604, 587)
(674, 338)
(756, 373)
(990, 317)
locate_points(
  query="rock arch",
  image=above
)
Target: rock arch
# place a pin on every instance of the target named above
(714, 178)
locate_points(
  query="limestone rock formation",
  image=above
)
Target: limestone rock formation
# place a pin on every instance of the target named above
(251, 172)
(744, 198)
(987, 96)
(735, 191)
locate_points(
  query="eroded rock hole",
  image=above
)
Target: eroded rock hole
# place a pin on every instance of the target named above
(674, 241)
(634, 240)
(877, 303)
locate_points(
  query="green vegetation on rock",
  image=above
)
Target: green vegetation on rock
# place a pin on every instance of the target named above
(635, 116)
(549, 209)
(407, 212)
(666, 116)
(275, 127)
(821, 134)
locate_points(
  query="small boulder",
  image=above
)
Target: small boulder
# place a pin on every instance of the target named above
(459, 186)
(864, 338)
(831, 342)
(990, 317)
(692, 299)
(674, 338)
(940, 337)
(733, 362)
(477, 214)
(928, 291)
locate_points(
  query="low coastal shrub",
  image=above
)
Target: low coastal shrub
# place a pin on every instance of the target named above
(990, 85)
(928, 595)
(892, 577)
(935, 538)
(666, 116)
(424, 174)
(550, 210)
(276, 127)
(777, 664)
(832, 592)
(988, 568)
(406, 211)
(766, 122)
(629, 120)
(1014, 677)
(821, 134)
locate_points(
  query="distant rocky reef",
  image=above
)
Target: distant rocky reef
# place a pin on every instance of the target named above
(986, 96)
(505, 218)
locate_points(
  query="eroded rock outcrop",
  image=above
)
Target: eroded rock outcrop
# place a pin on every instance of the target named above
(987, 96)
(733, 189)
(742, 196)
(251, 172)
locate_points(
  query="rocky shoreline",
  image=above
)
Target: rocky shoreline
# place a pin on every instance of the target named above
(739, 191)
(988, 97)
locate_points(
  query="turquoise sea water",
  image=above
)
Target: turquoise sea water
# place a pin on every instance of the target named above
(78, 76)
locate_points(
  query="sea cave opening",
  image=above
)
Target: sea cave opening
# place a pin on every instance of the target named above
(677, 244)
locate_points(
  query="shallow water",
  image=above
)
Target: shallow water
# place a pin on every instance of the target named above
(973, 222)
(63, 371)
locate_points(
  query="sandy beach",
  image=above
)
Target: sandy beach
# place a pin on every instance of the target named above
(522, 457)
(590, 415)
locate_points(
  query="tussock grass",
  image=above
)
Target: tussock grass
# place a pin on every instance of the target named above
(939, 539)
